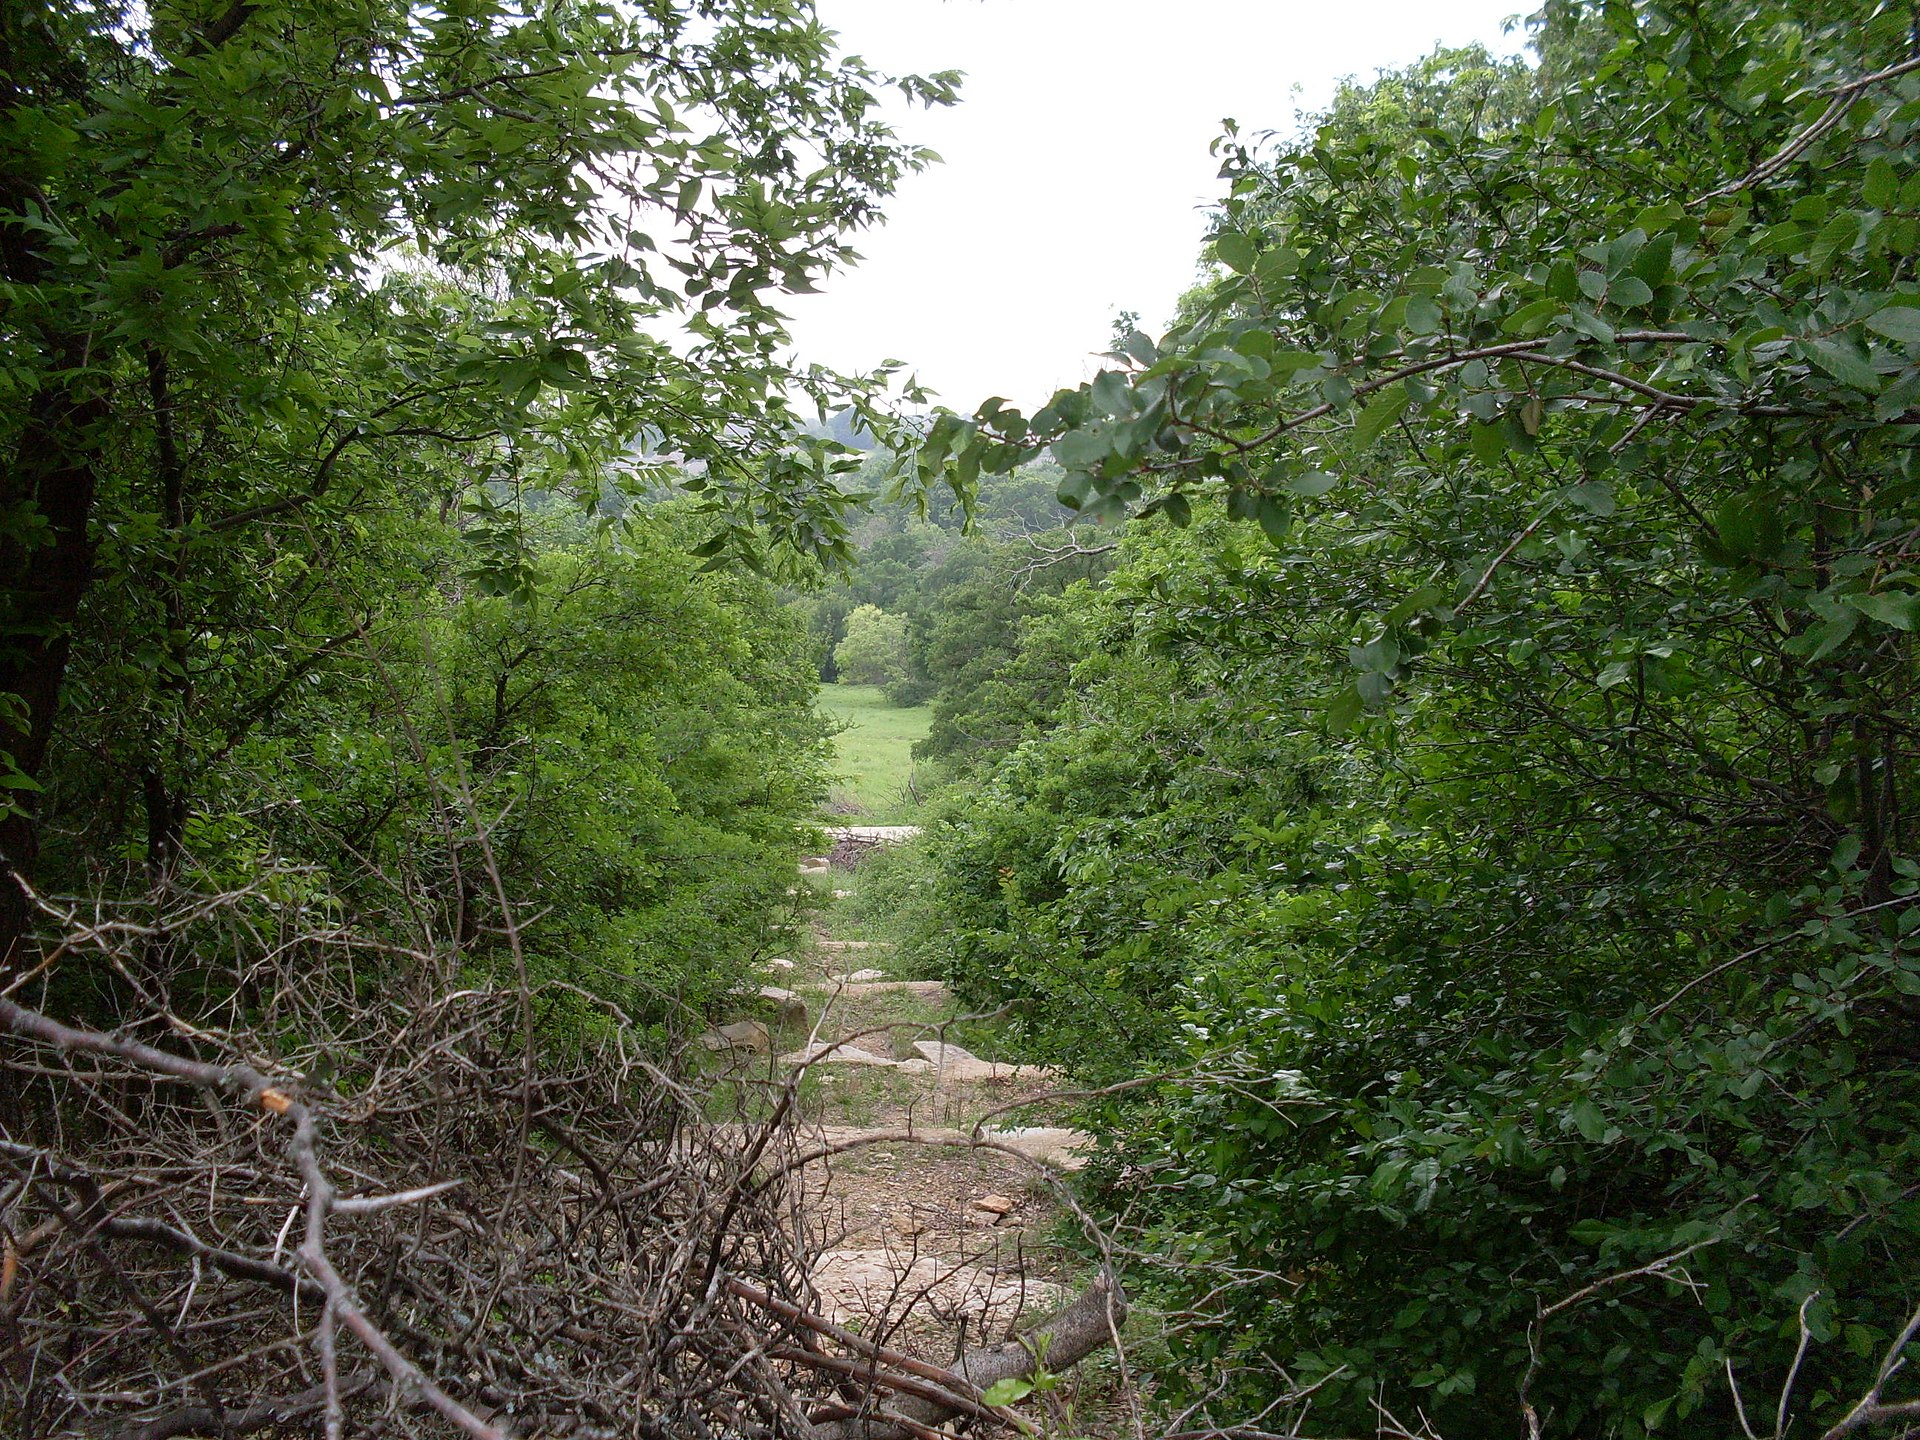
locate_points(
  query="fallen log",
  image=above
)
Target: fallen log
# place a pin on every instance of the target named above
(1090, 1323)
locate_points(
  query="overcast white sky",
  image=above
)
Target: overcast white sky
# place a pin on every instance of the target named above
(1076, 166)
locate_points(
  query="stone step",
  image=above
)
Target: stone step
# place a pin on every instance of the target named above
(790, 1006)
(827, 1052)
(854, 989)
(1055, 1146)
(865, 1285)
(1051, 1145)
(741, 1035)
(877, 834)
(954, 1063)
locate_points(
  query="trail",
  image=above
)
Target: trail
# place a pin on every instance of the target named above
(934, 1191)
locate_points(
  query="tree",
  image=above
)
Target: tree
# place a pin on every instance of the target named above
(393, 784)
(215, 344)
(1577, 428)
(875, 650)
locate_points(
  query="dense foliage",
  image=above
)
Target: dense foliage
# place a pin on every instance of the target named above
(1499, 771)
(307, 309)
(389, 754)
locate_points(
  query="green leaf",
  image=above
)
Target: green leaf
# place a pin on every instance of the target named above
(1075, 491)
(1344, 710)
(1897, 322)
(1882, 187)
(1112, 393)
(1007, 1391)
(1276, 517)
(1588, 1120)
(1423, 315)
(1277, 265)
(1531, 319)
(1082, 449)
(1655, 260)
(1830, 635)
(1235, 251)
(1312, 484)
(1890, 607)
(1845, 363)
(1629, 291)
(1595, 497)
(1285, 362)
(1380, 412)
(1623, 250)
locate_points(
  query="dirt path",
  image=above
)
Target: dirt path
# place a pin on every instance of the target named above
(928, 1237)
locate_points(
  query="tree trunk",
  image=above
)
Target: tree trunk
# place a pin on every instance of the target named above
(1090, 1323)
(43, 578)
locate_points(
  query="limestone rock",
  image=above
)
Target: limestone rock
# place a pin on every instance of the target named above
(879, 834)
(858, 1284)
(790, 1005)
(823, 1052)
(994, 1204)
(1053, 1145)
(935, 990)
(956, 1064)
(740, 1035)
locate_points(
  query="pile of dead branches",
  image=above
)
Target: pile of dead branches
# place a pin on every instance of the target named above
(260, 1174)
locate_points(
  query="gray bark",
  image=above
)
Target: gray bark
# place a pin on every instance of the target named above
(1090, 1323)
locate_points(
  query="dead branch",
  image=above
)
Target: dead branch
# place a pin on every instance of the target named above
(1090, 1323)
(1872, 1409)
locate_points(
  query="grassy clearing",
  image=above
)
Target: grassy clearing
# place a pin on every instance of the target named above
(874, 755)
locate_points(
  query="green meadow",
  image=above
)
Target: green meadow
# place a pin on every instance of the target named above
(874, 754)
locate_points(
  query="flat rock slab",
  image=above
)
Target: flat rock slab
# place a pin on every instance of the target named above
(926, 989)
(953, 1063)
(857, 977)
(862, 1284)
(790, 1005)
(840, 947)
(826, 1053)
(1053, 1145)
(874, 834)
